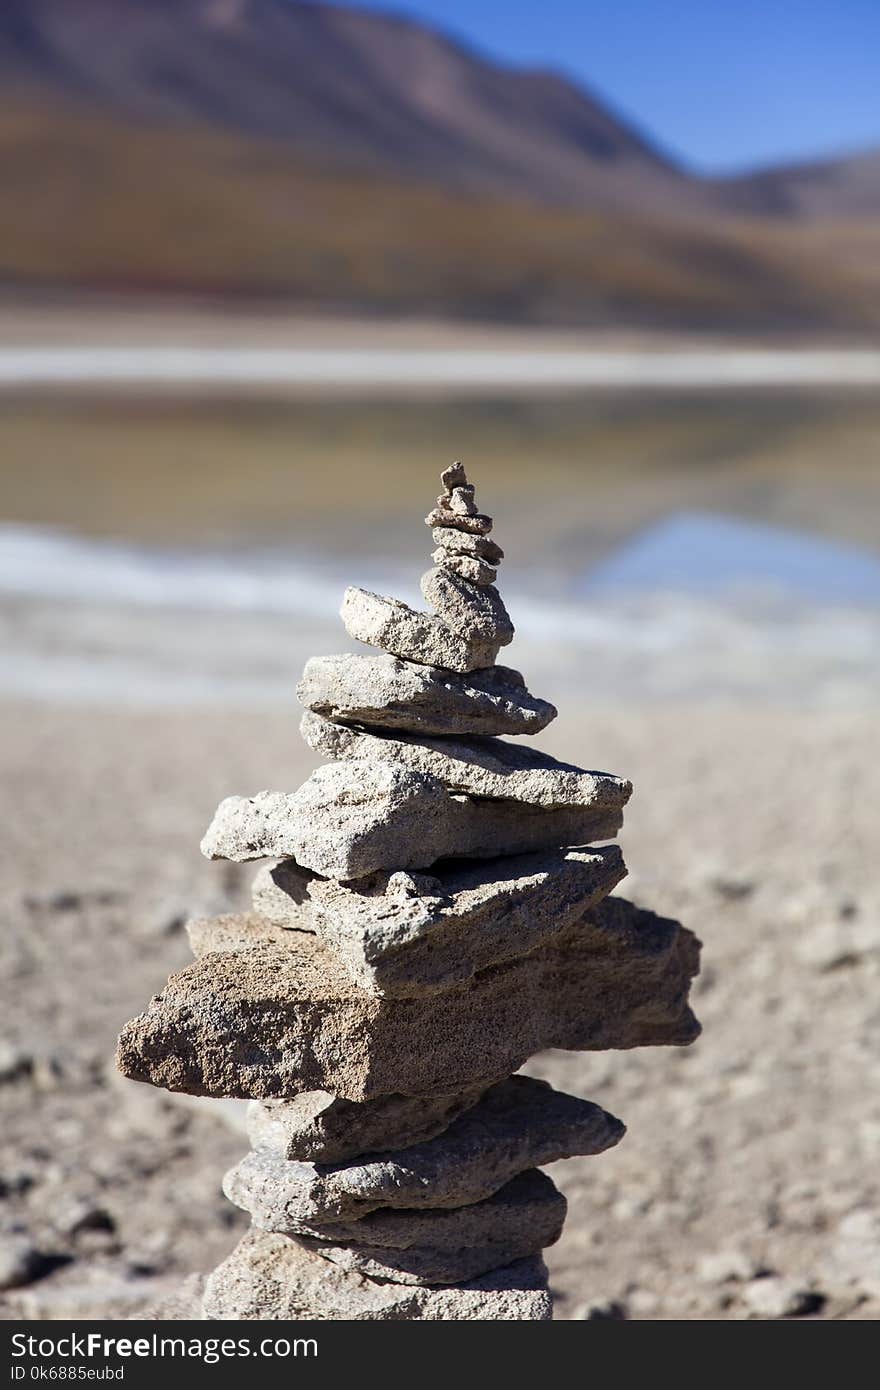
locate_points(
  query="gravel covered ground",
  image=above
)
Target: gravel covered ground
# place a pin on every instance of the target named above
(746, 1186)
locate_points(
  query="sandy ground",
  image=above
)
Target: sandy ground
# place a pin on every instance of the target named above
(747, 1183)
(374, 369)
(129, 345)
(53, 319)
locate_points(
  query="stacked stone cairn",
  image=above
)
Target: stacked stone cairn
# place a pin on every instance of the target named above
(435, 911)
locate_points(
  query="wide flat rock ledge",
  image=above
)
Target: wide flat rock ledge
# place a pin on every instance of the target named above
(270, 1277)
(275, 1021)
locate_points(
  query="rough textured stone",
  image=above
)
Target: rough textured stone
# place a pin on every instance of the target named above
(454, 476)
(20, 1261)
(280, 892)
(448, 1246)
(469, 567)
(269, 1277)
(183, 1304)
(461, 500)
(469, 610)
(275, 1021)
(395, 627)
(775, 1297)
(318, 1127)
(352, 818)
(454, 542)
(406, 934)
(388, 693)
(478, 525)
(519, 1124)
(241, 931)
(484, 767)
(403, 935)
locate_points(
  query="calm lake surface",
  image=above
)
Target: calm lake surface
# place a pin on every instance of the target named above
(171, 548)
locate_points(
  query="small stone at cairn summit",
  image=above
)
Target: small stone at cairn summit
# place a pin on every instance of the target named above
(435, 908)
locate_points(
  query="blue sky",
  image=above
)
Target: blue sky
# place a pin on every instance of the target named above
(721, 84)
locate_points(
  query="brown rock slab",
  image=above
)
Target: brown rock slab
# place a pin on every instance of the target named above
(241, 931)
(519, 1124)
(272, 1278)
(385, 692)
(278, 1020)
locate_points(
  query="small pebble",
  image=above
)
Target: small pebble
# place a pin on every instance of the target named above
(20, 1261)
(775, 1297)
(724, 1265)
(602, 1309)
(15, 1063)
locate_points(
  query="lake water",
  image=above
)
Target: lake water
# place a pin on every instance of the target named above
(157, 550)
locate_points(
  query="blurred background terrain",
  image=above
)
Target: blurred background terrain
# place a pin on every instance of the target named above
(349, 159)
(266, 267)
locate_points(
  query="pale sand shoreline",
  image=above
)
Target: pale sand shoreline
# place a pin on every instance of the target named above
(368, 369)
(117, 344)
(756, 826)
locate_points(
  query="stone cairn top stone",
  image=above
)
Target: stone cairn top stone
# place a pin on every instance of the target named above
(433, 910)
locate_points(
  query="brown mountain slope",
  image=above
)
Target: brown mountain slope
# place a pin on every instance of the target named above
(342, 158)
(365, 90)
(95, 204)
(824, 190)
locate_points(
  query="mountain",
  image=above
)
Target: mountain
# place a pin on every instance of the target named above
(340, 158)
(830, 189)
(359, 89)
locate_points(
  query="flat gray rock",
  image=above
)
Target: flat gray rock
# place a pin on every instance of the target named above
(277, 1020)
(519, 1124)
(460, 499)
(469, 567)
(318, 1127)
(469, 610)
(403, 935)
(454, 542)
(404, 632)
(384, 692)
(407, 934)
(478, 525)
(447, 1247)
(352, 818)
(280, 893)
(243, 931)
(271, 1278)
(486, 767)
(454, 476)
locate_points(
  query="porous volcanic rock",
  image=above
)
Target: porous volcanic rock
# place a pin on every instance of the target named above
(272, 1277)
(518, 1124)
(322, 1128)
(277, 1020)
(489, 768)
(354, 817)
(446, 1246)
(391, 624)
